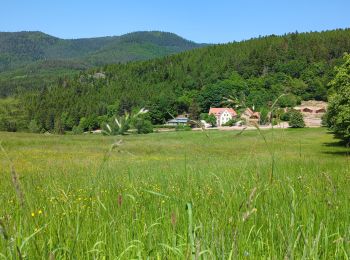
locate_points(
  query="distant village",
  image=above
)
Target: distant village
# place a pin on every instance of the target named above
(311, 110)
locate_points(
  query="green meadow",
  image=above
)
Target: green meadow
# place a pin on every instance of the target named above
(277, 194)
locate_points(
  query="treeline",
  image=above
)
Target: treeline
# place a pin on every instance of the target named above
(255, 72)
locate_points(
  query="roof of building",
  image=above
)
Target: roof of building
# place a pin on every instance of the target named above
(220, 110)
(178, 120)
(312, 105)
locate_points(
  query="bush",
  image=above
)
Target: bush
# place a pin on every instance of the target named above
(117, 126)
(120, 125)
(33, 127)
(143, 126)
(285, 116)
(210, 119)
(231, 122)
(296, 120)
(89, 123)
(77, 130)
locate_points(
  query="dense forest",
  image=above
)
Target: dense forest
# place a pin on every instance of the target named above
(255, 72)
(33, 60)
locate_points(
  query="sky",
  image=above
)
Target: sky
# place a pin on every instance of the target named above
(203, 21)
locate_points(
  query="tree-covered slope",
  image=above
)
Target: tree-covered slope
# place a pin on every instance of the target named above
(255, 71)
(19, 48)
(21, 53)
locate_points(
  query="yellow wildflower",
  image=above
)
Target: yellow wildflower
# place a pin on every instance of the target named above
(33, 214)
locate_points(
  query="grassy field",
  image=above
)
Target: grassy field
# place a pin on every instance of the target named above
(177, 195)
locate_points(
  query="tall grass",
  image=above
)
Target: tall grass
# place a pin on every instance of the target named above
(177, 195)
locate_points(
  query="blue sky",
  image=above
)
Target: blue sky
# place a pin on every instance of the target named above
(210, 21)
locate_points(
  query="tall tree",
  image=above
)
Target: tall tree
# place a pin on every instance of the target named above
(338, 115)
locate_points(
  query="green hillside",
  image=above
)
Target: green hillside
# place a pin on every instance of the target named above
(255, 72)
(29, 60)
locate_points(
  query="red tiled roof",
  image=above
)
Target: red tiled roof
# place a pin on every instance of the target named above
(220, 110)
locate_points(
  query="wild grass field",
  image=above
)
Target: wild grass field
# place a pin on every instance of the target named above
(180, 195)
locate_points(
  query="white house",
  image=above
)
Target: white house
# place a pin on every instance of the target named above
(222, 114)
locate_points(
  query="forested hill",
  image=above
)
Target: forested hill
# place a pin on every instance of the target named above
(254, 71)
(19, 48)
(31, 59)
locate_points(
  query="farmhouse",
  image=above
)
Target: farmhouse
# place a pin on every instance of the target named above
(312, 107)
(312, 112)
(179, 120)
(222, 114)
(250, 116)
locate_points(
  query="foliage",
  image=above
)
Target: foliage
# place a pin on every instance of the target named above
(275, 121)
(288, 101)
(285, 116)
(120, 125)
(296, 119)
(210, 119)
(338, 112)
(12, 116)
(231, 122)
(59, 127)
(265, 116)
(88, 123)
(41, 57)
(143, 125)
(117, 125)
(77, 130)
(33, 126)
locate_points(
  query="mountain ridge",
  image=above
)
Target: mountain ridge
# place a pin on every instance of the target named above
(27, 46)
(34, 58)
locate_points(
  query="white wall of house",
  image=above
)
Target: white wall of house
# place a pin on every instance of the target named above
(224, 118)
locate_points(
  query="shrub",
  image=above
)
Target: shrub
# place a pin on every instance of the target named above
(210, 119)
(231, 122)
(296, 120)
(77, 130)
(143, 126)
(285, 116)
(117, 126)
(120, 125)
(89, 123)
(33, 127)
